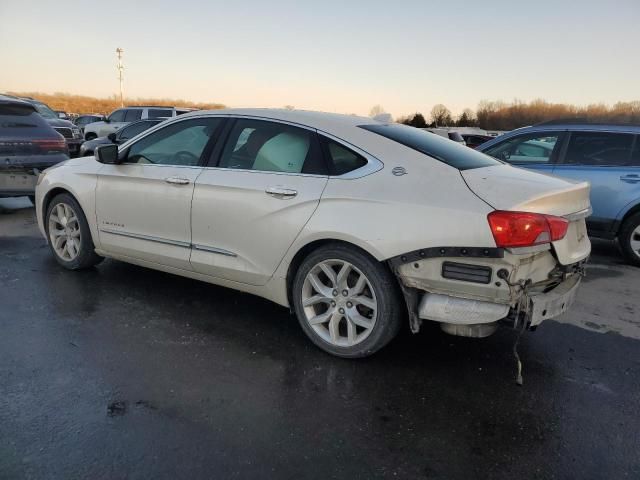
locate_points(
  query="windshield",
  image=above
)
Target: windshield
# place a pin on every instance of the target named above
(447, 151)
(44, 110)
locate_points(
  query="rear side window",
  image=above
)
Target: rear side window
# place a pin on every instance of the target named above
(599, 148)
(442, 149)
(133, 115)
(528, 148)
(156, 112)
(341, 159)
(117, 116)
(635, 156)
(272, 147)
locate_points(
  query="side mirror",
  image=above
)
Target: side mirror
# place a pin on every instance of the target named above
(106, 120)
(112, 137)
(107, 154)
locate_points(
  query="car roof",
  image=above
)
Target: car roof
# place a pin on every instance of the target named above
(10, 99)
(602, 127)
(320, 120)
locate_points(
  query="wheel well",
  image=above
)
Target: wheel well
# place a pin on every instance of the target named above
(49, 196)
(305, 251)
(631, 212)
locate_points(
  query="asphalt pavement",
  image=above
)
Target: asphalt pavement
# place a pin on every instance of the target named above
(124, 372)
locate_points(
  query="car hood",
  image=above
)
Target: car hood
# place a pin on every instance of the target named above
(59, 122)
(509, 188)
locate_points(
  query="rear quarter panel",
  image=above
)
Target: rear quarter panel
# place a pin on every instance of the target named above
(389, 215)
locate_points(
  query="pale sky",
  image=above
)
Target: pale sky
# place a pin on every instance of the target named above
(342, 56)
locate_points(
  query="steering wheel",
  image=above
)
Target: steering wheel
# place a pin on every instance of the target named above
(184, 157)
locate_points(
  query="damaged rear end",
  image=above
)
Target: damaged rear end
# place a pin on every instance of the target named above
(530, 274)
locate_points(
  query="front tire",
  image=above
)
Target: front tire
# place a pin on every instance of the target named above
(90, 136)
(68, 234)
(629, 239)
(347, 303)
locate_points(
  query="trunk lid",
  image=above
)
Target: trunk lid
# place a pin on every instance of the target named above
(505, 187)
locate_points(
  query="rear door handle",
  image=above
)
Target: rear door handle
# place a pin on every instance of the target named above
(632, 178)
(281, 192)
(177, 180)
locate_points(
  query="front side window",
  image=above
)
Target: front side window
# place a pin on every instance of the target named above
(180, 143)
(595, 148)
(272, 147)
(341, 159)
(133, 115)
(452, 153)
(117, 116)
(133, 130)
(159, 112)
(530, 148)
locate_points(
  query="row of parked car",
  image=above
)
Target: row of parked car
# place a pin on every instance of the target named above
(608, 156)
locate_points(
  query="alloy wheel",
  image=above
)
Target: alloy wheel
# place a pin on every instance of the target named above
(64, 231)
(634, 241)
(339, 303)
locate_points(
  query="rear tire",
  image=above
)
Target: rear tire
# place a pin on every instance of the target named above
(90, 136)
(347, 303)
(68, 234)
(629, 239)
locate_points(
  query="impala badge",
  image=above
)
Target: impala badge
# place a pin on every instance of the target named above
(399, 171)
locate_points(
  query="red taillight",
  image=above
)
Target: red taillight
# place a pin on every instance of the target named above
(524, 229)
(51, 144)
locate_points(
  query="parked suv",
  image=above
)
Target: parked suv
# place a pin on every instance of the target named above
(28, 144)
(71, 133)
(124, 116)
(608, 156)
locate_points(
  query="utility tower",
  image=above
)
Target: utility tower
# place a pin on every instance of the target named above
(119, 52)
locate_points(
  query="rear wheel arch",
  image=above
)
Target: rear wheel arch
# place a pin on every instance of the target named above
(628, 214)
(310, 247)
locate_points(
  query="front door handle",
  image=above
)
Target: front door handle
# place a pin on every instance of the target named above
(631, 178)
(281, 192)
(177, 180)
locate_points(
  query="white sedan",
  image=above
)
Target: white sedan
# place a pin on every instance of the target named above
(356, 225)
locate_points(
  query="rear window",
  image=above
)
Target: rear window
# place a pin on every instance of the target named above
(446, 151)
(16, 109)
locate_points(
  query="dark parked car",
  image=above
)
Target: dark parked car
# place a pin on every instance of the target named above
(72, 134)
(608, 156)
(28, 144)
(119, 137)
(84, 120)
(474, 140)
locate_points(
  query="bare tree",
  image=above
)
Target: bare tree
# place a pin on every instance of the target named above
(376, 110)
(441, 115)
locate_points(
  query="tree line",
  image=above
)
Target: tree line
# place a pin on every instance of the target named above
(498, 115)
(84, 104)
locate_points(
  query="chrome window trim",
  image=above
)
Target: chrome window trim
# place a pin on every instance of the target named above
(151, 238)
(373, 164)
